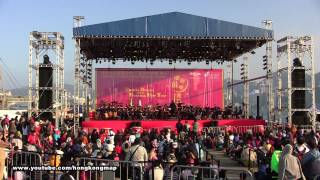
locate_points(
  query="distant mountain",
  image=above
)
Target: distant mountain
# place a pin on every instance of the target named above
(24, 90)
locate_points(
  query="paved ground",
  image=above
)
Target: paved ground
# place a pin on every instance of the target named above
(228, 163)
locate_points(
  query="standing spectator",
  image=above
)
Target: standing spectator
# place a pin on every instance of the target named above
(17, 140)
(310, 161)
(137, 152)
(275, 159)
(195, 126)
(25, 131)
(300, 148)
(186, 126)
(289, 165)
(179, 126)
(12, 127)
(157, 171)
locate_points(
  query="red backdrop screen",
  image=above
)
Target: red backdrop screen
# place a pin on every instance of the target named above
(201, 87)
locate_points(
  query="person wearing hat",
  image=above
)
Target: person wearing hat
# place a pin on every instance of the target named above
(108, 147)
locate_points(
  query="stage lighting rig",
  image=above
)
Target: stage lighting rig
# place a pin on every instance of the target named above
(265, 62)
(242, 72)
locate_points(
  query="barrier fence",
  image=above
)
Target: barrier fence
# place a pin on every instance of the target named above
(254, 129)
(111, 169)
(29, 165)
(206, 173)
(17, 165)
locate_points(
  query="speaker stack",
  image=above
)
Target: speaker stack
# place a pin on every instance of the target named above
(45, 88)
(298, 97)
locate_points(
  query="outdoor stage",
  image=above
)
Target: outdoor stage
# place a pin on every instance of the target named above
(160, 124)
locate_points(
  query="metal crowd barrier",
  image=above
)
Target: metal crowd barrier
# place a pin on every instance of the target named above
(207, 173)
(213, 130)
(18, 163)
(110, 169)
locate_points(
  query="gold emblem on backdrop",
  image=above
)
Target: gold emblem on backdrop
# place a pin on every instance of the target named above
(179, 86)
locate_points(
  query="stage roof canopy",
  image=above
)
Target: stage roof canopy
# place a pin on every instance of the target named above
(172, 35)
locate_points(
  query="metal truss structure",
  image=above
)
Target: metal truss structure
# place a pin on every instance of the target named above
(83, 80)
(42, 43)
(134, 40)
(245, 78)
(289, 48)
(269, 75)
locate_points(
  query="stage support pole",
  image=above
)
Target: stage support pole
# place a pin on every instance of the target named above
(77, 78)
(269, 79)
(244, 77)
(258, 108)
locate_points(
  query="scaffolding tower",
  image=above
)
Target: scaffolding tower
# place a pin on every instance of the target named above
(42, 43)
(82, 80)
(269, 73)
(289, 48)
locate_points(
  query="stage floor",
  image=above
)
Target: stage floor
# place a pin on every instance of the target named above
(160, 124)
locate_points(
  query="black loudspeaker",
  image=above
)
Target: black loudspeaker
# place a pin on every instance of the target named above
(45, 91)
(301, 118)
(298, 97)
(298, 79)
(45, 76)
(45, 99)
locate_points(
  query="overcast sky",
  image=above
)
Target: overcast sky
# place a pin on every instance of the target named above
(19, 17)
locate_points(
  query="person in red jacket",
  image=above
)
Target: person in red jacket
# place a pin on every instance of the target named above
(33, 138)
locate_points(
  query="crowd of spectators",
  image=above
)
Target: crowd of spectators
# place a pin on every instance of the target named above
(60, 147)
(172, 111)
(276, 153)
